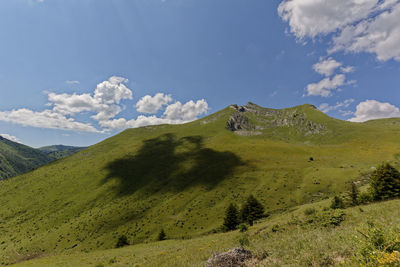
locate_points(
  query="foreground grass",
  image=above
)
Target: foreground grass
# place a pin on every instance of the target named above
(293, 243)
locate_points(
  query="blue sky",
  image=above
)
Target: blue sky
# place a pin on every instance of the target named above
(76, 72)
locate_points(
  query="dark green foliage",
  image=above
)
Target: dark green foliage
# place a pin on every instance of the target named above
(252, 210)
(365, 198)
(161, 236)
(122, 241)
(354, 194)
(337, 203)
(332, 218)
(385, 182)
(231, 220)
(243, 227)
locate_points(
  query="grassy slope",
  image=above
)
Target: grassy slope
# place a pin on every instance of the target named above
(17, 158)
(291, 245)
(181, 178)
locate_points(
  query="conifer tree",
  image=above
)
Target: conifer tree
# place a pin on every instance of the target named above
(162, 236)
(337, 203)
(231, 220)
(251, 210)
(385, 182)
(354, 194)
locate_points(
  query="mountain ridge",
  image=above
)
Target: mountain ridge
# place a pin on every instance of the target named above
(182, 177)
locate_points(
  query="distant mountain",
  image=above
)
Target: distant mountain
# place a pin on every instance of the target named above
(16, 158)
(60, 151)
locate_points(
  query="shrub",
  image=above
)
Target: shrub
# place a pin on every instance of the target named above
(354, 194)
(337, 203)
(275, 228)
(252, 210)
(161, 236)
(333, 218)
(243, 228)
(365, 198)
(385, 182)
(231, 220)
(309, 211)
(122, 241)
(379, 247)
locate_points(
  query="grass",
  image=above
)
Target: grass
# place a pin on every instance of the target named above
(181, 178)
(297, 242)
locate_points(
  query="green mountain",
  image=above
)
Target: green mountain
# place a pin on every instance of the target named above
(182, 177)
(16, 158)
(60, 151)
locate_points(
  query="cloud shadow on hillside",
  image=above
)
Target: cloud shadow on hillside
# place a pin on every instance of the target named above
(171, 163)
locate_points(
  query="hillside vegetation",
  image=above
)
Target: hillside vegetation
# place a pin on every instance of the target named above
(292, 238)
(16, 158)
(60, 151)
(181, 178)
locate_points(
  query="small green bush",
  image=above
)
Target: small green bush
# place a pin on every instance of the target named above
(309, 211)
(365, 198)
(333, 218)
(122, 241)
(243, 227)
(161, 236)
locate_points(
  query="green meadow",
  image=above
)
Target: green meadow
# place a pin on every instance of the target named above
(181, 178)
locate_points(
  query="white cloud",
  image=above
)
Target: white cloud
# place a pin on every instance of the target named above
(309, 18)
(347, 69)
(45, 119)
(187, 112)
(105, 104)
(11, 138)
(325, 87)
(371, 26)
(325, 107)
(112, 91)
(372, 109)
(152, 104)
(380, 35)
(326, 67)
(72, 82)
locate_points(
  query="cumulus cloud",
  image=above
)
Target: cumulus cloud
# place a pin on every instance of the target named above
(325, 107)
(103, 106)
(380, 36)
(309, 18)
(45, 119)
(356, 25)
(326, 67)
(152, 104)
(325, 87)
(372, 109)
(11, 138)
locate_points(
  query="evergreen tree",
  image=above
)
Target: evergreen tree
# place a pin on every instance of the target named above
(162, 236)
(385, 182)
(122, 241)
(231, 220)
(354, 194)
(337, 203)
(252, 210)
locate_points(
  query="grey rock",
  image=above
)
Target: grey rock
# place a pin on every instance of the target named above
(236, 257)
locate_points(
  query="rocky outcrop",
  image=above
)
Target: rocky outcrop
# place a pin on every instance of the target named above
(238, 121)
(236, 257)
(273, 118)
